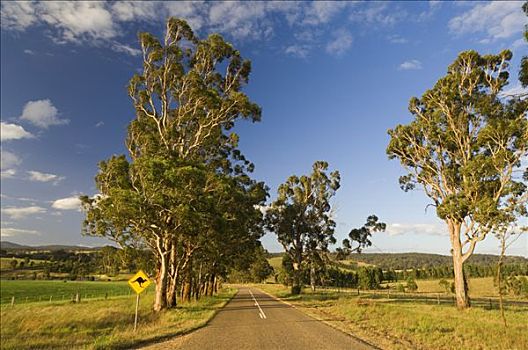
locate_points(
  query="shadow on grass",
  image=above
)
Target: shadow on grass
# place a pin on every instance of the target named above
(139, 343)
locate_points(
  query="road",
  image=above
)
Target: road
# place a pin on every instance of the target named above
(253, 320)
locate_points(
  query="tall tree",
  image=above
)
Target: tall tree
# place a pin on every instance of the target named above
(463, 147)
(181, 154)
(301, 219)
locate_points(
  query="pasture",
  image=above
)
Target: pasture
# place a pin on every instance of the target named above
(26, 291)
(101, 324)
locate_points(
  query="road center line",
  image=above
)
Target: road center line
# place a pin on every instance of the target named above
(261, 313)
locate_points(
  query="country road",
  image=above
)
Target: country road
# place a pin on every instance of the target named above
(253, 320)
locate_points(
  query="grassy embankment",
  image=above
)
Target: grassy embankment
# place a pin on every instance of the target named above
(101, 324)
(393, 323)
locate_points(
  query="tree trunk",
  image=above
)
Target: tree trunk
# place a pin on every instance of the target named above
(461, 287)
(173, 279)
(499, 279)
(312, 277)
(187, 283)
(160, 300)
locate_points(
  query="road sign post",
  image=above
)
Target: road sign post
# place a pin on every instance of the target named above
(138, 283)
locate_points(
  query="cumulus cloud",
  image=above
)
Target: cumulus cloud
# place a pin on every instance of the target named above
(43, 177)
(13, 132)
(497, 19)
(17, 15)
(42, 113)
(410, 65)
(12, 232)
(22, 212)
(418, 229)
(8, 162)
(69, 203)
(340, 44)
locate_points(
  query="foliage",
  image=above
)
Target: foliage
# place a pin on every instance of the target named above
(411, 285)
(361, 236)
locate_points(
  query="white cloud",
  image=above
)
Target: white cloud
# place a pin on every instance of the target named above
(29, 52)
(341, 42)
(22, 212)
(9, 160)
(17, 15)
(298, 50)
(13, 132)
(497, 19)
(42, 113)
(118, 47)
(410, 65)
(43, 177)
(70, 203)
(379, 14)
(320, 12)
(418, 229)
(12, 232)
(7, 174)
(396, 39)
(515, 91)
(99, 124)
(76, 20)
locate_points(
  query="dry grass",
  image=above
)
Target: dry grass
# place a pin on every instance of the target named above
(101, 324)
(407, 324)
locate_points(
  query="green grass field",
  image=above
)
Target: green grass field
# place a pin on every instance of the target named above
(34, 291)
(392, 323)
(101, 324)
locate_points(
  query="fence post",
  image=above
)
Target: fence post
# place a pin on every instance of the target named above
(51, 296)
(438, 299)
(13, 300)
(491, 305)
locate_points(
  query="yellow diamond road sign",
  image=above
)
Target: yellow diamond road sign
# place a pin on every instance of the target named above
(139, 282)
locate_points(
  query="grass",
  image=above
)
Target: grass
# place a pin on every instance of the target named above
(396, 324)
(34, 291)
(102, 324)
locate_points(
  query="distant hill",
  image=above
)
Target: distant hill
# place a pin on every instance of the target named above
(424, 260)
(5, 245)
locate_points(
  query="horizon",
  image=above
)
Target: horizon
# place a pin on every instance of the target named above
(331, 78)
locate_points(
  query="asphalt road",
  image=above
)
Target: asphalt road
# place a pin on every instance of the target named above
(253, 320)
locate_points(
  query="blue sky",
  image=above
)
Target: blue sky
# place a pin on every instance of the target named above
(331, 78)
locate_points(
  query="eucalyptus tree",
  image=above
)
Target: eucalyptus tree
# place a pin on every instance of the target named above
(463, 147)
(301, 219)
(180, 150)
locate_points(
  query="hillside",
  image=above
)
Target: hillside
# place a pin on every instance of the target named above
(424, 260)
(6, 245)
